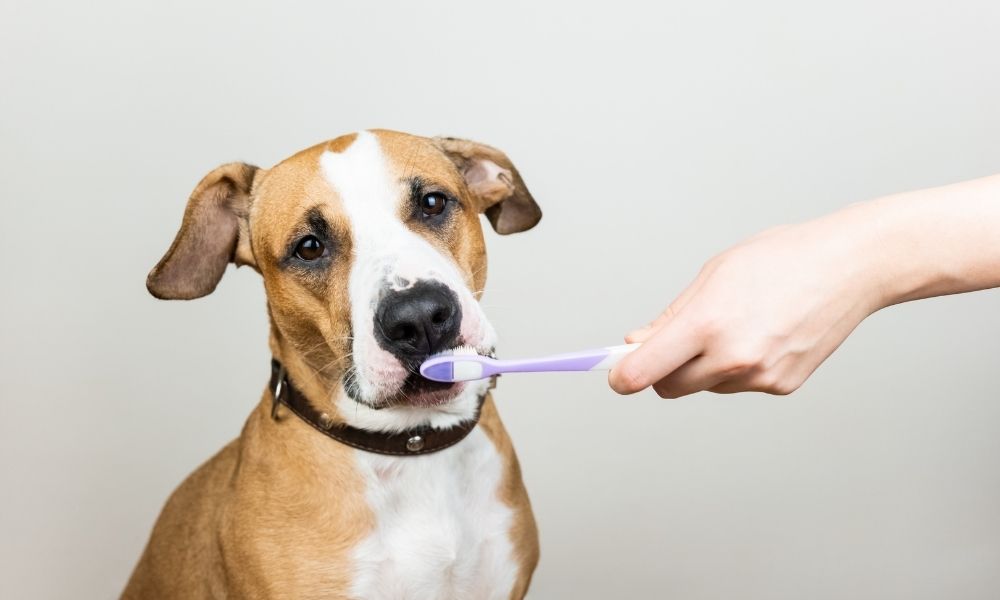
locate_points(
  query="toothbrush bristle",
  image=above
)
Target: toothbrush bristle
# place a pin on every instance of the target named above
(464, 351)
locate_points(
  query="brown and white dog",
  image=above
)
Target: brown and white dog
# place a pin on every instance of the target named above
(373, 257)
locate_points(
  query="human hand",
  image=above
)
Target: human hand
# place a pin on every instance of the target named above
(763, 315)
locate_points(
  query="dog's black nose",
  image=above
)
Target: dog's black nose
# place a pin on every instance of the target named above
(419, 321)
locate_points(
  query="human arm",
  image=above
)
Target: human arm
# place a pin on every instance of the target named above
(766, 313)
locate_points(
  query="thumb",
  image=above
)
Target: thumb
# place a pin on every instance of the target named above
(669, 347)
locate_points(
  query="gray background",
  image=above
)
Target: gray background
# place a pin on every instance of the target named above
(654, 135)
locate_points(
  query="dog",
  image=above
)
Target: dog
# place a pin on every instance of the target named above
(354, 477)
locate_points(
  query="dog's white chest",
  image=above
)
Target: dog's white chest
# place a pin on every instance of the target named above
(441, 530)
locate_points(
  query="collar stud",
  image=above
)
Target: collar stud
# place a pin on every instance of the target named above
(415, 443)
(325, 421)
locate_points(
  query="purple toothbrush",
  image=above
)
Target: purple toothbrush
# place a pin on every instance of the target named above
(464, 364)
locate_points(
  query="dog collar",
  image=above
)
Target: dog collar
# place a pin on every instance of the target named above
(409, 442)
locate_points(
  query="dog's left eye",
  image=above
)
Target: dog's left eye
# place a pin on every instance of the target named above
(309, 248)
(433, 204)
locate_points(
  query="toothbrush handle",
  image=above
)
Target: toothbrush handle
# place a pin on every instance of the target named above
(598, 359)
(615, 355)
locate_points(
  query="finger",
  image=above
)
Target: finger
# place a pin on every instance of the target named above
(700, 373)
(779, 380)
(645, 332)
(735, 386)
(672, 346)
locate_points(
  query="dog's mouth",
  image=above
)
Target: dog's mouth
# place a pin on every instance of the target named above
(414, 390)
(418, 391)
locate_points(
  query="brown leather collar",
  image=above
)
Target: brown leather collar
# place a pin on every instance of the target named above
(411, 442)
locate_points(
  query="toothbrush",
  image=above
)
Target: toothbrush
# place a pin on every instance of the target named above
(465, 364)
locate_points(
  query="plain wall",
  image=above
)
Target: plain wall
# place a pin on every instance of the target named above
(653, 135)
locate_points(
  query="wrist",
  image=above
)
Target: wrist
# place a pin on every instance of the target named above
(934, 242)
(885, 249)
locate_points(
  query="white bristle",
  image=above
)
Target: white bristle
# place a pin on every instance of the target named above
(463, 351)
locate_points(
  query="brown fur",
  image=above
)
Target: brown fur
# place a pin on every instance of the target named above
(277, 512)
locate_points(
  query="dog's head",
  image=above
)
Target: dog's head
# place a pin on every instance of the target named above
(372, 255)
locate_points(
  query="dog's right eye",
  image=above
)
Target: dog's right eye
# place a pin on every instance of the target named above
(433, 204)
(309, 248)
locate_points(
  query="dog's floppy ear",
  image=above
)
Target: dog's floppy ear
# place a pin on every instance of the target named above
(495, 183)
(214, 233)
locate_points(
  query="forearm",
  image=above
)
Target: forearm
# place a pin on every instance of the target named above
(933, 242)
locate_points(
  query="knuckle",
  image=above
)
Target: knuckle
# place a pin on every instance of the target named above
(741, 361)
(707, 328)
(716, 261)
(772, 383)
(737, 365)
(669, 312)
(785, 387)
(764, 382)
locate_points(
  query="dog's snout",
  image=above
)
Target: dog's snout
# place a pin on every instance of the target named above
(419, 321)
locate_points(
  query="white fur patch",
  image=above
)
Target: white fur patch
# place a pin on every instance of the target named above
(441, 531)
(385, 250)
